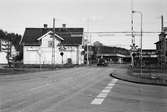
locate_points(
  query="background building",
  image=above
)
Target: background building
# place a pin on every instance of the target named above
(149, 57)
(111, 54)
(114, 54)
(161, 47)
(3, 51)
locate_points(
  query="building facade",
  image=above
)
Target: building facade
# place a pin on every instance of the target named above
(149, 57)
(161, 47)
(39, 47)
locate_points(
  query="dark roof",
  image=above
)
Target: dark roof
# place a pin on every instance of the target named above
(113, 50)
(72, 41)
(160, 41)
(149, 50)
(32, 34)
(161, 35)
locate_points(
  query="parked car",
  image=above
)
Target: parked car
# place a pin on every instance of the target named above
(102, 62)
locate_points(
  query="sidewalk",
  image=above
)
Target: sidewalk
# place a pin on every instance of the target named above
(144, 78)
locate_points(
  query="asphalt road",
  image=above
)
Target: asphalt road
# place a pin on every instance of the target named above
(83, 89)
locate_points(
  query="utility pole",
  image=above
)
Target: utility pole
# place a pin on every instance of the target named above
(162, 23)
(165, 52)
(87, 56)
(164, 42)
(141, 39)
(9, 52)
(141, 42)
(53, 43)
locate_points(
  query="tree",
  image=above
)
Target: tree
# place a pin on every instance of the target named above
(14, 39)
(97, 44)
(2, 34)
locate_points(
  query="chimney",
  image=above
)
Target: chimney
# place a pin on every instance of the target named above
(64, 25)
(45, 26)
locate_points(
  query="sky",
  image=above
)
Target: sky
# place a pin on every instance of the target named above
(92, 15)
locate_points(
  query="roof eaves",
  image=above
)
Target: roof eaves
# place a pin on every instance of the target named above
(71, 44)
(59, 37)
(44, 35)
(50, 32)
(31, 44)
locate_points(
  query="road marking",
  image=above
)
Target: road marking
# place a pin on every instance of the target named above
(104, 93)
(109, 87)
(97, 101)
(40, 87)
(114, 81)
(110, 84)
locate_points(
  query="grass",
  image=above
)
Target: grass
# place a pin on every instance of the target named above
(32, 68)
(149, 69)
(14, 71)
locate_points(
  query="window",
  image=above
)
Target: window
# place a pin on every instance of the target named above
(50, 43)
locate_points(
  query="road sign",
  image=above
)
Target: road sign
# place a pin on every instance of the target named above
(61, 53)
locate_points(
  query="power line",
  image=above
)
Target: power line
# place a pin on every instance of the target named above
(108, 32)
(123, 32)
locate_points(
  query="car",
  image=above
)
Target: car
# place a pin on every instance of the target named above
(102, 62)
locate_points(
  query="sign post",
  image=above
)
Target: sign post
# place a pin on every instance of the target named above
(62, 56)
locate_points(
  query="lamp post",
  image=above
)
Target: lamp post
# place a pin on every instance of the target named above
(141, 34)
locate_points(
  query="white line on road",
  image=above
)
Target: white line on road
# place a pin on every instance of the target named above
(105, 91)
(40, 87)
(110, 84)
(114, 81)
(97, 101)
(103, 94)
(109, 87)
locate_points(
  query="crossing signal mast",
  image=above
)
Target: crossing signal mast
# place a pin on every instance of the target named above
(132, 30)
(133, 46)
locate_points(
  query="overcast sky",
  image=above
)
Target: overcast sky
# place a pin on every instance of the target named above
(103, 15)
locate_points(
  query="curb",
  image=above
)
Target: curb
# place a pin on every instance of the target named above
(135, 81)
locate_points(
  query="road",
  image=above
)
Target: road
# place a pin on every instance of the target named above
(82, 89)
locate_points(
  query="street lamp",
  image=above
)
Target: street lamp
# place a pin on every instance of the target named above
(141, 34)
